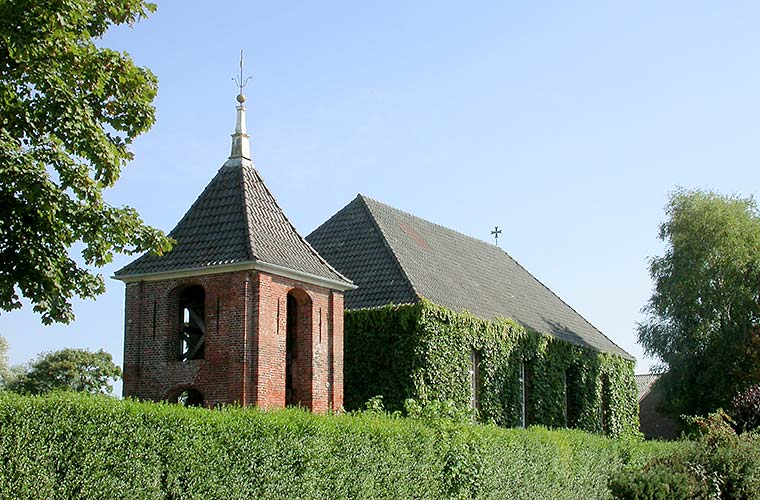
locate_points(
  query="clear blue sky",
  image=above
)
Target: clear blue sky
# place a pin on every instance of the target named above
(565, 123)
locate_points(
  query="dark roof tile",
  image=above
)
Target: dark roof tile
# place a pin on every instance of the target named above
(396, 257)
(236, 219)
(351, 238)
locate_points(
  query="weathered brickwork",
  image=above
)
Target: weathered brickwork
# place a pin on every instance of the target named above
(245, 354)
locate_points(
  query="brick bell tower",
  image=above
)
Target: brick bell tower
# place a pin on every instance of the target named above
(242, 310)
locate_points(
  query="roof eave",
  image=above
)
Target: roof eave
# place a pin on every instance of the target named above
(285, 272)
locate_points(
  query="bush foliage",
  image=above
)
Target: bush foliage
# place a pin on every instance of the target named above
(66, 445)
(717, 464)
(423, 351)
(746, 409)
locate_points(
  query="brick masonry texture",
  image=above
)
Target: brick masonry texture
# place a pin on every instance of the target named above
(245, 344)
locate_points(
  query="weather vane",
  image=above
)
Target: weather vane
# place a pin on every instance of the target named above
(240, 81)
(496, 232)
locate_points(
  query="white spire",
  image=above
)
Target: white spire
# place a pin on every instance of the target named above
(241, 145)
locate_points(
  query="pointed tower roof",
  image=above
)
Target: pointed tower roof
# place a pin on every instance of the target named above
(396, 257)
(236, 224)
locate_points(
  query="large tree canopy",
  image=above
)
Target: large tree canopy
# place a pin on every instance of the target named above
(69, 369)
(69, 112)
(703, 319)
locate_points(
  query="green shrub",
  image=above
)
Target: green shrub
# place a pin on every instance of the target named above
(715, 429)
(717, 464)
(671, 478)
(69, 446)
(658, 484)
(746, 409)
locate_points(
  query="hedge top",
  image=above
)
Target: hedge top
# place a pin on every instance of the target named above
(395, 257)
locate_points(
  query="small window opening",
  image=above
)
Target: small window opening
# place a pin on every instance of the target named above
(291, 327)
(475, 379)
(190, 397)
(573, 385)
(523, 397)
(564, 397)
(604, 407)
(192, 304)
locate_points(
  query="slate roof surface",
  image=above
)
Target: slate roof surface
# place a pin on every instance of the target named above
(644, 383)
(357, 247)
(236, 219)
(397, 257)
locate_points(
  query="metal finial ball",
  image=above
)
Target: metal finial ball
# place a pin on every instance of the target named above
(241, 98)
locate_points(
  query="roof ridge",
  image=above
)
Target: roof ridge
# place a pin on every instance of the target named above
(484, 242)
(244, 206)
(260, 179)
(178, 225)
(386, 245)
(561, 300)
(333, 216)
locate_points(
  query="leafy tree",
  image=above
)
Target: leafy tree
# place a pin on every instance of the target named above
(69, 369)
(70, 110)
(703, 319)
(4, 367)
(8, 373)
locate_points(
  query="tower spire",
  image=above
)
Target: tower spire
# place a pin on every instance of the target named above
(241, 146)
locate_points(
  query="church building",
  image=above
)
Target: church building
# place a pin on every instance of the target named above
(242, 310)
(441, 316)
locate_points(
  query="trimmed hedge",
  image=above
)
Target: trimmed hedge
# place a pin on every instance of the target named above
(68, 446)
(423, 351)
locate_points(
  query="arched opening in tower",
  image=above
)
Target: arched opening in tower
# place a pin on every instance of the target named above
(190, 397)
(298, 349)
(192, 335)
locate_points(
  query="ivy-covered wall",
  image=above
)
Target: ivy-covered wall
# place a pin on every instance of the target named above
(425, 352)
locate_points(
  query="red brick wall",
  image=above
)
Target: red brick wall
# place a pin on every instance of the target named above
(336, 322)
(310, 363)
(246, 321)
(653, 423)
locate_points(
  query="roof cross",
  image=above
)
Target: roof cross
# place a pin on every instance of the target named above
(496, 232)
